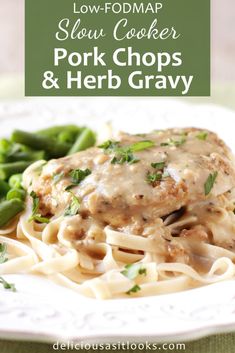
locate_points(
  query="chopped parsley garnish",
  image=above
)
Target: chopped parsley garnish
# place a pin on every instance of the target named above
(125, 154)
(74, 206)
(141, 145)
(35, 202)
(124, 157)
(202, 135)
(3, 258)
(35, 215)
(134, 289)
(57, 177)
(3, 252)
(172, 142)
(69, 187)
(77, 175)
(109, 145)
(7, 285)
(131, 271)
(160, 174)
(210, 183)
(38, 218)
(152, 178)
(158, 165)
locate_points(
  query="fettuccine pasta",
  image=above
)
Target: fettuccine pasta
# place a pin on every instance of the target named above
(138, 216)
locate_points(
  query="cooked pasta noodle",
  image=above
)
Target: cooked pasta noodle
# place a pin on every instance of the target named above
(116, 244)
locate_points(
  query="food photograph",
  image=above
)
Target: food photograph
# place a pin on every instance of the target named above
(117, 214)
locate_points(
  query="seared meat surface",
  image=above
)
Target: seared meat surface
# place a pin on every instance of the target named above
(153, 183)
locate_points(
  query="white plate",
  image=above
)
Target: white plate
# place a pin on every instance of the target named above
(42, 311)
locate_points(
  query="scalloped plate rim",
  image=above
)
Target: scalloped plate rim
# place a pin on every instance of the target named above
(11, 111)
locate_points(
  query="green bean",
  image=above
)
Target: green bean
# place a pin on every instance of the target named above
(9, 209)
(16, 194)
(54, 148)
(2, 158)
(66, 137)
(54, 131)
(8, 169)
(86, 139)
(4, 188)
(5, 145)
(26, 156)
(15, 181)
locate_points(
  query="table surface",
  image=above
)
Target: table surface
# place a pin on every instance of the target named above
(215, 344)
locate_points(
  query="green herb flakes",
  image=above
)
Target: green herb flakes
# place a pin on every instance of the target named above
(124, 157)
(152, 178)
(158, 165)
(176, 143)
(134, 289)
(3, 253)
(141, 145)
(125, 154)
(202, 135)
(109, 145)
(210, 183)
(74, 206)
(35, 216)
(131, 271)
(6, 285)
(77, 175)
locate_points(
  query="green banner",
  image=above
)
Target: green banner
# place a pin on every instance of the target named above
(117, 48)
